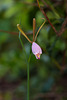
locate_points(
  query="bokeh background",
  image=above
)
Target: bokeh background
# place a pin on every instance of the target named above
(48, 76)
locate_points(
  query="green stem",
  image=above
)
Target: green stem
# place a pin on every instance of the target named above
(27, 61)
(28, 77)
(28, 81)
(22, 43)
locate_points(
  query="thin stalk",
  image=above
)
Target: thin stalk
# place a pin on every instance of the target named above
(28, 81)
(18, 26)
(27, 61)
(34, 25)
(39, 30)
(22, 45)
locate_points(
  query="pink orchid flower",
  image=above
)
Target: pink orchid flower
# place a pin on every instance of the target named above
(37, 51)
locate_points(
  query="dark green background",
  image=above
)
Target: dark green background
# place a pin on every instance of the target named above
(47, 75)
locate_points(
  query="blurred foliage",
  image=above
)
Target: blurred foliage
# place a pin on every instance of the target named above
(45, 75)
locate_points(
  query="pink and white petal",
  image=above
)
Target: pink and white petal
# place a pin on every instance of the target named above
(36, 48)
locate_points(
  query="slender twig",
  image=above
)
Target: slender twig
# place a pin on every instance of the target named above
(34, 25)
(18, 26)
(51, 7)
(49, 21)
(47, 17)
(46, 4)
(62, 27)
(64, 23)
(14, 33)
